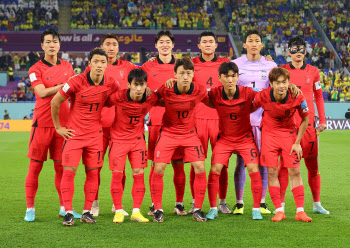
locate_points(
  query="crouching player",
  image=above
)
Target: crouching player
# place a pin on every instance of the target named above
(233, 104)
(279, 138)
(179, 131)
(127, 139)
(84, 138)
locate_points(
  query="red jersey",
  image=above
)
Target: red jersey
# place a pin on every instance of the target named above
(307, 78)
(179, 117)
(278, 117)
(49, 75)
(128, 126)
(234, 114)
(157, 74)
(119, 71)
(206, 73)
(87, 101)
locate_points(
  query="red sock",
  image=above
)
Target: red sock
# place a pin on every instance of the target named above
(99, 182)
(283, 178)
(298, 193)
(223, 183)
(124, 179)
(117, 189)
(138, 190)
(275, 196)
(213, 188)
(32, 182)
(179, 182)
(67, 189)
(192, 176)
(314, 178)
(90, 187)
(200, 186)
(150, 181)
(256, 186)
(157, 190)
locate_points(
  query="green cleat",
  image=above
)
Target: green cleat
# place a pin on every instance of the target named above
(238, 208)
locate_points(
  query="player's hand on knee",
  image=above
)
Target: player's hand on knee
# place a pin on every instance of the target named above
(65, 133)
(298, 150)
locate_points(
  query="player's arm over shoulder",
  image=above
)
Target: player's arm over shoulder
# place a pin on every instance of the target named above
(258, 100)
(70, 87)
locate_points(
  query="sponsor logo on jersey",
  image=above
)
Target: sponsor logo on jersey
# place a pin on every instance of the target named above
(65, 88)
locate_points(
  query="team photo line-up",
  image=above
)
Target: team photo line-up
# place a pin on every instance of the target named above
(246, 106)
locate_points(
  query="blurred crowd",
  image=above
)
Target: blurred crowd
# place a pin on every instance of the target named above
(28, 15)
(156, 14)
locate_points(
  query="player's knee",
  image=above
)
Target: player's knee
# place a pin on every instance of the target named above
(272, 172)
(252, 168)
(216, 168)
(198, 167)
(137, 171)
(294, 172)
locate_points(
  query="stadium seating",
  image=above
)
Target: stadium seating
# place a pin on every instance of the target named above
(21, 15)
(152, 15)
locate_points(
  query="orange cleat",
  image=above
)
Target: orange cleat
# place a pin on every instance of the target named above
(279, 216)
(302, 217)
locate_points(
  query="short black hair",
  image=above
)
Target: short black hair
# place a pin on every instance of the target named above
(225, 67)
(206, 33)
(98, 51)
(296, 40)
(108, 36)
(250, 32)
(52, 32)
(185, 62)
(164, 33)
(138, 74)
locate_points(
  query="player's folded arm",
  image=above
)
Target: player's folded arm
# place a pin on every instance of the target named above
(44, 92)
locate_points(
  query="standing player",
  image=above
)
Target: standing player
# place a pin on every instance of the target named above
(254, 70)
(307, 78)
(233, 104)
(128, 139)
(279, 138)
(118, 70)
(88, 93)
(206, 73)
(179, 131)
(158, 72)
(47, 77)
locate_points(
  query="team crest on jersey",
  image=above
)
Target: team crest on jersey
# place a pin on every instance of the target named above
(122, 74)
(242, 106)
(192, 104)
(104, 95)
(307, 80)
(263, 75)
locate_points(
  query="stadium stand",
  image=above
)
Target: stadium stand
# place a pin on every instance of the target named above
(334, 18)
(171, 14)
(28, 15)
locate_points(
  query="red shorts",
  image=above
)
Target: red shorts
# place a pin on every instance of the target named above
(90, 149)
(168, 143)
(245, 147)
(136, 153)
(106, 134)
(153, 134)
(309, 143)
(42, 140)
(272, 147)
(207, 129)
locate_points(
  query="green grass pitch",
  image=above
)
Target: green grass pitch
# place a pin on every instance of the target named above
(226, 231)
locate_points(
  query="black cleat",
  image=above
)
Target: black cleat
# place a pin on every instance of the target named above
(180, 210)
(151, 210)
(87, 218)
(199, 216)
(158, 216)
(68, 220)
